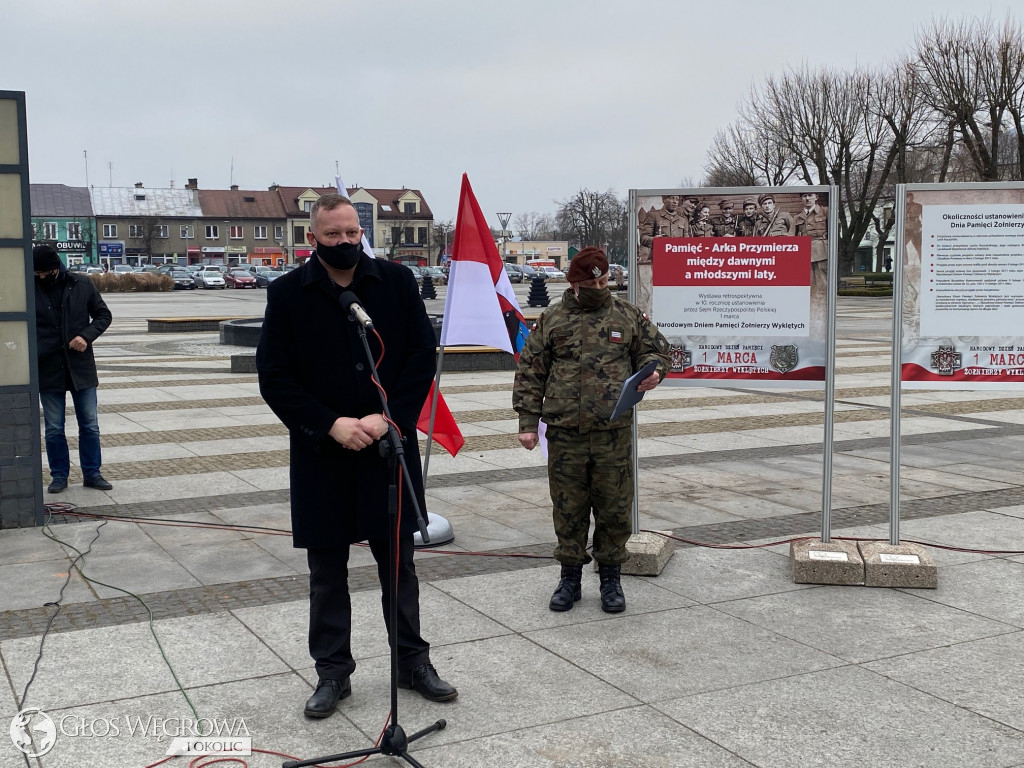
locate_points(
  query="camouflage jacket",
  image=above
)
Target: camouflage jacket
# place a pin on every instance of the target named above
(574, 362)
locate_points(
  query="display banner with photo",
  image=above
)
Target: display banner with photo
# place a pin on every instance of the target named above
(737, 281)
(963, 287)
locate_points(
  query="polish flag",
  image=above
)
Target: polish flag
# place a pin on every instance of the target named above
(446, 432)
(480, 307)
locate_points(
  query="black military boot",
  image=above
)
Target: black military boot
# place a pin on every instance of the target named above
(612, 599)
(568, 590)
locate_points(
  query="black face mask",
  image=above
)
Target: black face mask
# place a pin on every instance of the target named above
(47, 280)
(341, 256)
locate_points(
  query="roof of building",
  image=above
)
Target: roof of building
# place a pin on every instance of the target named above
(388, 206)
(143, 201)
(59, 200)
(290, 198)
(241, 204)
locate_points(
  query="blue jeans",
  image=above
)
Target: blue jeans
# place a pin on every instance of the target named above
(57, 454)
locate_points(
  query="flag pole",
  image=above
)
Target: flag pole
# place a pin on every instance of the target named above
(433, 413)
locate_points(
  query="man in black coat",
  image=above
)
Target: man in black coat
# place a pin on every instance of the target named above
(70, 316)
(314, 374)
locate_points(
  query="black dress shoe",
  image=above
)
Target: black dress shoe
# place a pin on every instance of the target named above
(58, 485)
(97, 482)
(325, 699)
(424, 680)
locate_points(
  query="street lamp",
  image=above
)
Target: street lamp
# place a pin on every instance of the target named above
(503, 217)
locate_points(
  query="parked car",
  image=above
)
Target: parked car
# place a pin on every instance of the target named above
(529, 273)
(239, 278)
(209, 276)
(183, 280)
(264, 279)
(437, 275)
(515, 274)
(289, 267)
(255, 269)
(94, 270)
(122, 269)
(415, 272)
(554, 273)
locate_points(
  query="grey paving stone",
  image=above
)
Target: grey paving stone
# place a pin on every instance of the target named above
(96, 665)
(519, 600)
(845, 716)
(859, 624)
(500, 691)
(658, 656)
(984, 676)
(636, 737)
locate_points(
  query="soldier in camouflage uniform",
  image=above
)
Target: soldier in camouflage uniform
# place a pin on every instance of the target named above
(570, 374)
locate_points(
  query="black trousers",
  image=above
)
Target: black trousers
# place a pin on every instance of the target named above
(330, 607)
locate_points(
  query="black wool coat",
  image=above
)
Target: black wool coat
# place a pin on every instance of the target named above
(313, 369)
(72, 308)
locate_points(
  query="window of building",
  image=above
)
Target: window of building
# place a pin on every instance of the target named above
(236, 232)
(278, 232)
(409, 234)
(299, 234)
(49, 230)
(160, 230)
(259, 232)
(110, 230)
(135, 231)
(409, 207)
(185, 232)
(74, 230)
(306, 205)
(212, 232)
(421, 235)
(396, 235)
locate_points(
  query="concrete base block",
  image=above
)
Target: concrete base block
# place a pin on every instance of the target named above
(817, 562)
(243, 363)
(902, 565)
(648, 554)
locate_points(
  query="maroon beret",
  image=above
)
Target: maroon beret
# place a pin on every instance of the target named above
(587, 264)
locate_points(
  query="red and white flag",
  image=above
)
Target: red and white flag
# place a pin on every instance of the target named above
(480, 306)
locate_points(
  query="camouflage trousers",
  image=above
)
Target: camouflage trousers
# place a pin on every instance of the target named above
(591, 471)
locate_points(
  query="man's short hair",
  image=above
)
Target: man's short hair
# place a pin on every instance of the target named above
(327, 202)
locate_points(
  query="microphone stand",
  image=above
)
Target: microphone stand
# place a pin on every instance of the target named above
(394, 742)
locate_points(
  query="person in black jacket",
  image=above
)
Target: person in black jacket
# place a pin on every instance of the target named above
(70, 316)
(314, 375)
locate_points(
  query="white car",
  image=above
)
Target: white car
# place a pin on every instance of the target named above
(554, 274)
(209, 278)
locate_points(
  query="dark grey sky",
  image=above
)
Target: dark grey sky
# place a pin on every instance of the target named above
(533, 98)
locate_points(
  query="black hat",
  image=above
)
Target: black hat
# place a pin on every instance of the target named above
(45, 259)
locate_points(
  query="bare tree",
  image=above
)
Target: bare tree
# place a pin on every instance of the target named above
(442, 232)
(534, 226)
(972, 75)
(589, 217)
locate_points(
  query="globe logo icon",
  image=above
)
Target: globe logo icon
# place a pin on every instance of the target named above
(33, 732)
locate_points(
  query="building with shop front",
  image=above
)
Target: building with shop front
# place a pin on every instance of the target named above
(138, 225)
(521, 251)
(62, 217)
(248, 225)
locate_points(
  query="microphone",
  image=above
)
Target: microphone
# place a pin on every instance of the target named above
(350, 301)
